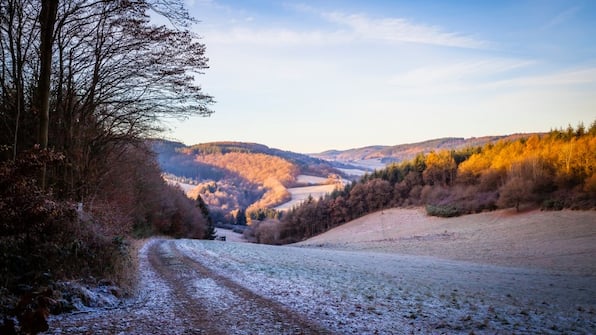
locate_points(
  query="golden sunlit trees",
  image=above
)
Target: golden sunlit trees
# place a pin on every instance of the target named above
(440, 168)
(551, 171)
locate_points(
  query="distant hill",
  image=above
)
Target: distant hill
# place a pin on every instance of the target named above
(401, 152)
(236, 175)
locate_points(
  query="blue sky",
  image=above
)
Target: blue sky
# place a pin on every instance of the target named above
(315, 75)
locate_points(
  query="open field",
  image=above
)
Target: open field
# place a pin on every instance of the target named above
(299, 194)
(392, 272)
(563, 241)
(184, 186)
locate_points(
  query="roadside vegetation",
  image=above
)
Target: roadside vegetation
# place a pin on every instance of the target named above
(552, 171)
(82, 85)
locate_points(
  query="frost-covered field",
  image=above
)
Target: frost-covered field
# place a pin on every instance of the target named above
(184, 186)
(307, 179)
(382, 293)
(211, 287)
(299, 194)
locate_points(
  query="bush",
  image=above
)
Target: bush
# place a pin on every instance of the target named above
(266, 232)
(43, 238)
(445, 211)
(553, 205)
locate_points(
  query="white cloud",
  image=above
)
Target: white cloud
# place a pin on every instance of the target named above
(585, 76)
(402, 30)
(274, 37)
(457, 72)
(348, 29)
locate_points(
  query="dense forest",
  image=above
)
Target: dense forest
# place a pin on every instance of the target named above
(551, 171)
(82, 84)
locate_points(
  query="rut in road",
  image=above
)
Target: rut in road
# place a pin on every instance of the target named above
(212, 304)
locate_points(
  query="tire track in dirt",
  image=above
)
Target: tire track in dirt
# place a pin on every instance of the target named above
(213, 304)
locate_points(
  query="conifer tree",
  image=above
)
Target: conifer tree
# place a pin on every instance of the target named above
(241, 217)
(210, 228)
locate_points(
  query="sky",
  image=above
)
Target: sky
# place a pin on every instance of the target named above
(310, 76)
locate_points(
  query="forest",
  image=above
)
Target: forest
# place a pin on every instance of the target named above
(83, 84)
(233, 176)
(551, 171)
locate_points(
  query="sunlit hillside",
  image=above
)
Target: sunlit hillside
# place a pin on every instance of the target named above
(551, 171)
(230, 176)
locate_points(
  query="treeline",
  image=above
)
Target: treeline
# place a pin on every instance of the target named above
(82, 83)
(552, 171)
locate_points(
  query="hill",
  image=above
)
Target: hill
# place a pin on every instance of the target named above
(234, 175)
(402, 152)
(553, 171)
(563, 241)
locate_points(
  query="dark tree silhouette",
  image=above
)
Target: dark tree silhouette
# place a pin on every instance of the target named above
(210, 233)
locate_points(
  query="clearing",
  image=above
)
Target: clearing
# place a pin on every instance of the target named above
(316, 189)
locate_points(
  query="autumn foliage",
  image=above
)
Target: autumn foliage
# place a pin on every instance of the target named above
(551, 171)
(230, 176)
(82, 84)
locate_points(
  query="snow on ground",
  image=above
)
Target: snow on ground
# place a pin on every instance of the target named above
(313, 180)
(368, 293)
(354, 172)
(395, 272)
(563, 241)
(185, 187)
(151, 311)
(317, 189)
(368, 164)
(230, 235)
(299, 194)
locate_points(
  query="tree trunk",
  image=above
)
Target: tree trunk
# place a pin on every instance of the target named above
(47, 19)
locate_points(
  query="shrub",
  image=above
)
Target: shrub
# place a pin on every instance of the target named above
(445, 211)
(43, 238)
(553, 205)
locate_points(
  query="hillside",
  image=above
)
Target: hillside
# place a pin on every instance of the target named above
(402, 152)
(235, 175)
(562, 241)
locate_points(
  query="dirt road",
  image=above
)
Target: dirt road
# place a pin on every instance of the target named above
(210, 287)
(178, 295)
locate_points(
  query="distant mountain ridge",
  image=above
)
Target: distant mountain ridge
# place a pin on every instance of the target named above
(235, 175)
(307, 164)
(401, 152)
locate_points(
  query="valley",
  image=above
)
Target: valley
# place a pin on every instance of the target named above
(317, 187)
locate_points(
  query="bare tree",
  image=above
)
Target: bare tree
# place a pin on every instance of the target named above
(89, 77)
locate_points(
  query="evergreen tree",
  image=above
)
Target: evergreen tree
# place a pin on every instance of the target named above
(210, 228)
(241, 217)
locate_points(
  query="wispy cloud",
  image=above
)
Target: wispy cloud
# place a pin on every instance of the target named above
(583, 76)
(456, 75)
(274, 37)
(343, 28)
(562, 17)
(402, 30)
(488, 76)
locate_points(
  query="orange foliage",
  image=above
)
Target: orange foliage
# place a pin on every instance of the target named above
(571, 159)
(256, 168)
(273, 173)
